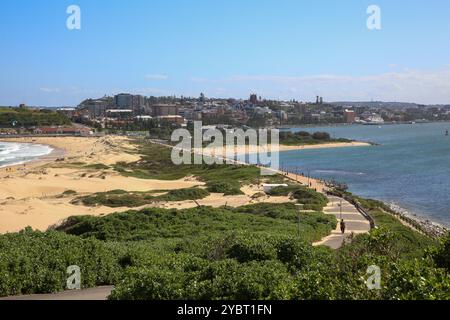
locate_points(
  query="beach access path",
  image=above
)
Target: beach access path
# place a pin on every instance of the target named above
(355, 222)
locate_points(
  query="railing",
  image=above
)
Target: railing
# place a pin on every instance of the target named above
(357, 205)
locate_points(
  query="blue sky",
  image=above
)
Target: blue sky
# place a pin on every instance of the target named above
(286, 49)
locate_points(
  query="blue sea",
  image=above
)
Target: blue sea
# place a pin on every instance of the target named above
(12, 153)
(410, 168)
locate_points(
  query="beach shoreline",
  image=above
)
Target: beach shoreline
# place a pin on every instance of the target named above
(55, 154)
(252, 149)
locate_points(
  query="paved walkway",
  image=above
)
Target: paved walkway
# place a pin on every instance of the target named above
(355, 222)
(94, 294)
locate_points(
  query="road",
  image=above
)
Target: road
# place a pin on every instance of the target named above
(94, 294)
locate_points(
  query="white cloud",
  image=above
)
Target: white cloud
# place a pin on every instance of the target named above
(407, 85)
(157, 77)
(149, 91)
(49, 90)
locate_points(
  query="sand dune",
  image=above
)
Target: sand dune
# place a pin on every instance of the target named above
(31, 195)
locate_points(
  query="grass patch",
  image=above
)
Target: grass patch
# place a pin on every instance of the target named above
(225, 187)
(121, 198)
(97, 166)
(69, 192)
(305, 138)
(311, 199)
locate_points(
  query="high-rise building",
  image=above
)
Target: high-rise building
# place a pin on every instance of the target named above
(161, 110)
(349, 116)
(254, 99)
(137, 103)
(319, 100)
(123, 101)
(300, 108)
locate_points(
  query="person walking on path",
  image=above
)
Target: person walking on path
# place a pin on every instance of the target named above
(343, 226)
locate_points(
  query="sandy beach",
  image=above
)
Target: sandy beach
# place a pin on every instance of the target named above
(250, 149)
(32, 194)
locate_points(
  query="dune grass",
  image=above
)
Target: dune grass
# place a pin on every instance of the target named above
(121, 198)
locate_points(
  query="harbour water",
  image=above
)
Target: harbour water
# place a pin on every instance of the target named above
(12, 153)
(410, 168)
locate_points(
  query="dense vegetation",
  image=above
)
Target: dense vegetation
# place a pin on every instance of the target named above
(251, 252)
(306, 138)
(193, 224)
(35, 262)
(23, 117)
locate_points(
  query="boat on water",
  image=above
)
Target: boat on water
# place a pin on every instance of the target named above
(446, 133)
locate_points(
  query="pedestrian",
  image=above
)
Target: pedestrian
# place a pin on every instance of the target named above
(343, 226)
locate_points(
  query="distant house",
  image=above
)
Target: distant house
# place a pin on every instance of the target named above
(8, 131)
(172, 119)
(77, 131)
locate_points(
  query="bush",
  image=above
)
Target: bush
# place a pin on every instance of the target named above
(224, 280)
(34, 262)
(321, 136)
(282, 191)
(441, 255)
(416, 281)
(255, 248)
(120, 198)
(225, 187)
(311, 199)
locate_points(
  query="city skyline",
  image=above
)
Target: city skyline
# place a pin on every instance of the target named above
(290, 50)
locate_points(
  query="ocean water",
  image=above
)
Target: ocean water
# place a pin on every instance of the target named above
(17, 153)
(410, 168)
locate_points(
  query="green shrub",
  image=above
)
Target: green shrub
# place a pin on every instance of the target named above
(225, 187)
(97, 166)
(120, 198)
(311, 199)
(35, 262)
(227, 280)
(441, 255)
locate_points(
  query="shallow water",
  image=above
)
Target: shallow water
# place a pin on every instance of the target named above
(12, 153)
(410, 168)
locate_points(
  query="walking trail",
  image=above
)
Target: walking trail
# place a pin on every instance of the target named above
(355, 222)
